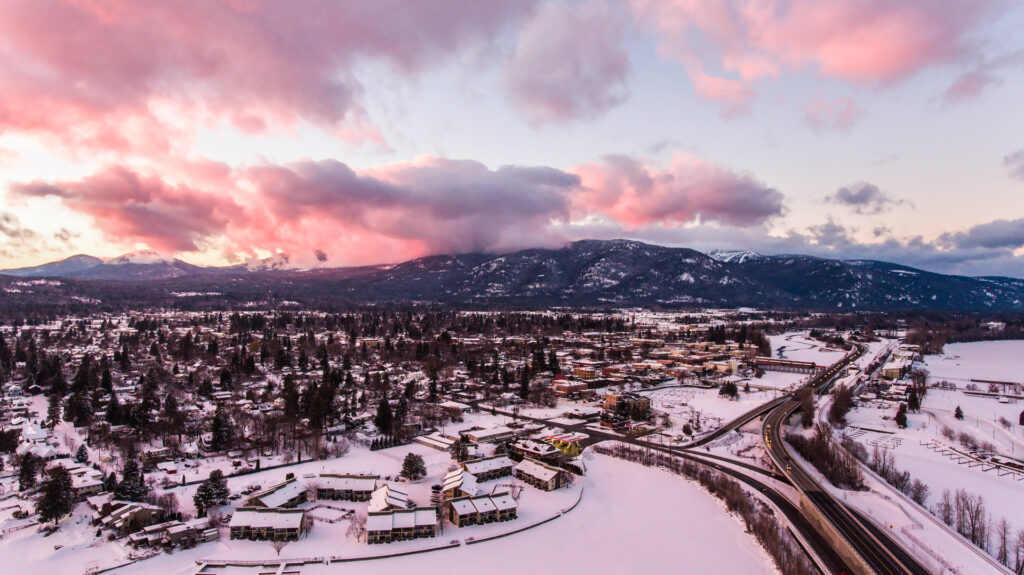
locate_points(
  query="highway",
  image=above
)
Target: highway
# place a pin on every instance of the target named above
(882, 554)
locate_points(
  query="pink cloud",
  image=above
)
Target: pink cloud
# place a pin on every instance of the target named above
(732, 97)
(570, 62)
(870, 42)
(824, 115)
(398, 211)
(130, 208)
(633, 193)
(121, 74)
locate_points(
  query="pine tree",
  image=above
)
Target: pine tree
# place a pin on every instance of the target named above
(57, 500)
(913, 401)
(291, 397)
(53, 410)
(27, 473)
(222, 429)
(553, 363)
(959, 413)
(413, 467)
(82, 455)
(459, 451)
(384, 419)
(213, 491)
(133, 485)
(114, 410)
(901, 416)
(110, 482)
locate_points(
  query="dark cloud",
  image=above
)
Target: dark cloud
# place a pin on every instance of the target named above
(1007, 234)
(864, 198)
(1014, 163)
(11, 228)
(65, 235)
(321, 256)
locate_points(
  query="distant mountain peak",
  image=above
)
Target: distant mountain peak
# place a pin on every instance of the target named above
(734, 256)
(140, 257)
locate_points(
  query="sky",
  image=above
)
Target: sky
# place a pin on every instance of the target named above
(376, 131)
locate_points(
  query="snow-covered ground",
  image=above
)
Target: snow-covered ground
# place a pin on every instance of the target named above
(777, 380)
(798, 347)
(873, 425)
(668, 525)
(686, 403)
(992, 360)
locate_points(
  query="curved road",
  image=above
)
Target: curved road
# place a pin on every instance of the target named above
(880, 552)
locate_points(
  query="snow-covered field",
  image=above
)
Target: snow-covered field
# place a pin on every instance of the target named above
(1004, 495)
(777, 380)
(668, 525)
(992, 360)
(685, 403)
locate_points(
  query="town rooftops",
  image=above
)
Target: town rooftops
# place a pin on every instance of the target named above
(537, 469)
(280, 494)
(462, 480)
(403, 518)
(487, 464)
(260, 518)
(347, 482)
(387, 497)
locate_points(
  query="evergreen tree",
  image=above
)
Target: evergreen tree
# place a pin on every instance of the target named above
(553, 363)
(222, 429)
(413, 467)
(384, 419)
(82, 455)
(171, 408)
(291, 397)
(114, 410)
(225, 379)
(901, 416)
(53, 410)
(959, 413)
(459, 451)
(401, 411)
(133, 485)
(57, 499)
(729, 389)
(27, 473)
(110, 482)
(213, 491)
(913, 401)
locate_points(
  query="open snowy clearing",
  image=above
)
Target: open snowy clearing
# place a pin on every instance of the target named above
(992, 360)
(873, 425)
(713, 410)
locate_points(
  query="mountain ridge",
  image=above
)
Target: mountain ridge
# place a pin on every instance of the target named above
(586, 273)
